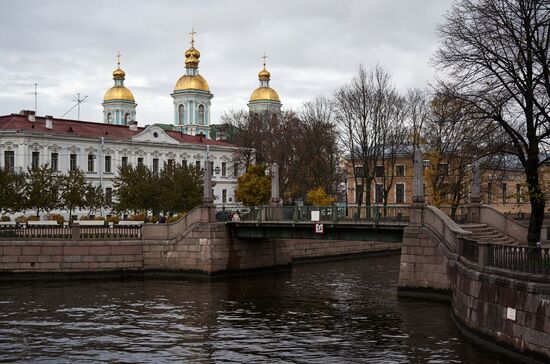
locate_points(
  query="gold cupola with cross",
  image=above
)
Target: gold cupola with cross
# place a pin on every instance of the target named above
(264, 98)
(119, 105)
(192, 96)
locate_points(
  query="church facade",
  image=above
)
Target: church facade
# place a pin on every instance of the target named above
(99, 149)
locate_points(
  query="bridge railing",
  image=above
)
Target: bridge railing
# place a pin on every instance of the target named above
(376, 214)
(517, 258)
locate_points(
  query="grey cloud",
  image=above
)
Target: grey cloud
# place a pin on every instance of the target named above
(313, 47)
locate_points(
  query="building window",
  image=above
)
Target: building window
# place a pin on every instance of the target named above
(489, 192)
(379, 193)
(184, 162)
(400, 170)
(72, 162)
(109, 118)
(201, 115)
(108, 164)
(126, 118)
(35, 160)
(504, 193)
(425, 163)
(155, 165)
(518, 193)
(140, 162)
(54, 161)
(224, 169)
(379, 171)
(198, 164)
(236, 170)
(399, 193)
(9, 160)
(359, 194)
(91, 158)
(181, 114)
(224, 196)
(359, 172)
(443, 169)
(171, 163)
(108, 195)
(211, 168)
(124, 161)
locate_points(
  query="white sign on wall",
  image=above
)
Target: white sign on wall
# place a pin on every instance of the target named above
(315, 215)
(511, 314)
(319, 228)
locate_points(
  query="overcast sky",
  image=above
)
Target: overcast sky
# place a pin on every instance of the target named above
(312, 47)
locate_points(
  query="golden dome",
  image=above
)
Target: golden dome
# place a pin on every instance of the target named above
(264, 75)
(192, 52)
(192, 82)
(264, 93)
(119, 74)
(118, 93)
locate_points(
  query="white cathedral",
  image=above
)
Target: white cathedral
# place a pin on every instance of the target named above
(99, 149)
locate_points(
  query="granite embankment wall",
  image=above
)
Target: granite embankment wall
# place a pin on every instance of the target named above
(481, 295)
(510, 308)
(192, 244)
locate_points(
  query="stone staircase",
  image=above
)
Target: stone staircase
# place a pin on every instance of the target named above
(485, 233)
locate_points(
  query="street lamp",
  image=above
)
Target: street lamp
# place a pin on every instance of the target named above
(217, 170)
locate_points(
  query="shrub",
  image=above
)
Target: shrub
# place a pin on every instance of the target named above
(57, 217)
(21, 219)
(84, 218)
(99, 218)
(113, 219)
(137, 217)
(5, 218)
(175, 217)
(33, 218)
(318, 197)
(154, 219)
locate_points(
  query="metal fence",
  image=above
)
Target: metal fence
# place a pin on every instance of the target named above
(376, 214)
(34, 231)
(110, 232)
(518, 258)
(66, 232)
(526, 259)
(470, 250)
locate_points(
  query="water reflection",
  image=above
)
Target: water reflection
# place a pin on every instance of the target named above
(342, 312)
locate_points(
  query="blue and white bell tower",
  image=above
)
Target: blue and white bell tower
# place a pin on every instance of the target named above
(192, 96)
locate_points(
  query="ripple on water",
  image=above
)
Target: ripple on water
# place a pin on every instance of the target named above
(341, 312)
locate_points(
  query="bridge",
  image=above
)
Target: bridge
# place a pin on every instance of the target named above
(367, 223)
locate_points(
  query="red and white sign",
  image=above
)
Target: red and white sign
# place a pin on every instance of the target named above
(319, 229)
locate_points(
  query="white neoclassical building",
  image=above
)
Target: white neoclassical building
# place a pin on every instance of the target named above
(99, 149)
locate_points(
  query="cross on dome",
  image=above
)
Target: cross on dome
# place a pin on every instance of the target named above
(193, 37)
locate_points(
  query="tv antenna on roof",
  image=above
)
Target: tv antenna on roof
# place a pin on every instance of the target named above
(35, 93)
(78, 102)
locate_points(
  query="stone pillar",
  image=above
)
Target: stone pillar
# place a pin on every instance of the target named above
(207, 198)
(275, 184)
(418, 178)
(419, 200)
(475, 197)
(208, 213)
(474, 207)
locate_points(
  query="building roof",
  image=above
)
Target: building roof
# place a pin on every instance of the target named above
(87, 129)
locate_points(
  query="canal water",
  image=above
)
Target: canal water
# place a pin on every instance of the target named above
(336, 312)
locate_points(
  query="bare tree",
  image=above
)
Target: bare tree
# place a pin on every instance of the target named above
(361, 108)
(418, 108)
(497, 55)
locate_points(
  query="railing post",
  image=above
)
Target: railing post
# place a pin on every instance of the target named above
(75, 231)
(482, 254)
